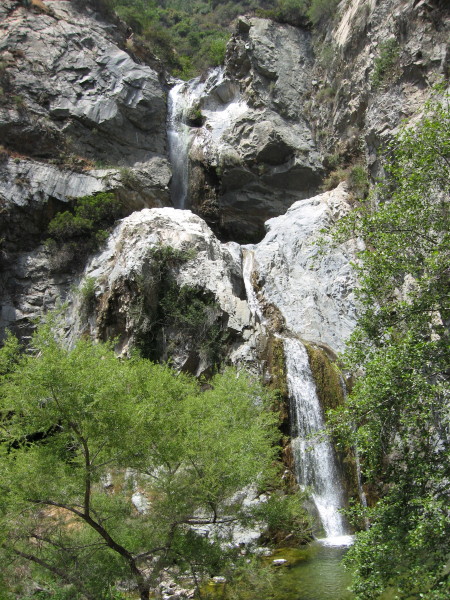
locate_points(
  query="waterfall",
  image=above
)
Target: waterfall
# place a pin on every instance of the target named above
(220, 103)
(314, 456)
(316, 466)
(178, 138)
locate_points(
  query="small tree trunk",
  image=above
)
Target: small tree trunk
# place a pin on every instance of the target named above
(144, 592)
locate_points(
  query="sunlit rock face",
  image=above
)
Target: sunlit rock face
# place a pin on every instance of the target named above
(314, 290)
(131, 278)
(310, 295)
(254, 153)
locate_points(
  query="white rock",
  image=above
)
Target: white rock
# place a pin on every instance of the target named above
(279, 561)
(315, 293)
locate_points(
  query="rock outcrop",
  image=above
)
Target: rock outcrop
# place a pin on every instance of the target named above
(77, 116)
(374, 69)
(254, 152)
(69, 89)
(311, 288)
(155, 259)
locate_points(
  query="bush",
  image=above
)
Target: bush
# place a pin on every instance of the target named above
(292, 12)
(358, 181)
(321, 9)
(334, 179)
(67, 226)
(386, 63)
(75, 234)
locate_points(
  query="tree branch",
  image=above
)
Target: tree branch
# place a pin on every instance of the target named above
(58, 572)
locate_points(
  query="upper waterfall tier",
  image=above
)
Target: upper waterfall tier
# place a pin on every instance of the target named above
(178, 140)
(211, 102)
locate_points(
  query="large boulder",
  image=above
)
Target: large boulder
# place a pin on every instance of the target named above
(312, 291)
(154, 261)
(254, 152)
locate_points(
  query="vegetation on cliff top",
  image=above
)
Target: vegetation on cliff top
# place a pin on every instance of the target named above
(398, 415)
(191, 35)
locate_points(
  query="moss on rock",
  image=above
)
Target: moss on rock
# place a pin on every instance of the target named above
(327, 378)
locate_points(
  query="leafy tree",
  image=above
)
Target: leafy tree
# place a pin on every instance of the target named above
(82, 431)
(398, 415)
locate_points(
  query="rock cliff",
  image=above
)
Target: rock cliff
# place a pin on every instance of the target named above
(77, 116)
(290, 110)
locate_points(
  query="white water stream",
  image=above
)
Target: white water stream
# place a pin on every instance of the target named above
(220, 104)
(314, 456)
(178, 134)
(316, 467)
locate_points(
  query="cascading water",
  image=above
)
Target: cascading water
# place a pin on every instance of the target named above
(178, 138)
(314, 456)
(316, 467)
(220, 102)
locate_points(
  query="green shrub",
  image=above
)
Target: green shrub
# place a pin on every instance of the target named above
(292, 12)
(332, 161)
(358, 181)
(321, 9)
(216, 51)
(326, 94)
(334, 179)
(87, 296)
(75, 234)
(128, 177)
(385, 65)
(66, 226)
(356, 177)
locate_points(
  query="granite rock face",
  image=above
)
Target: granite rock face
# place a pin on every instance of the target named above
(313, 291)
(254, 153)
(133, 271)
(72, 104)
(72, 90)
(355, 114)
(297, 290)
(77, 116)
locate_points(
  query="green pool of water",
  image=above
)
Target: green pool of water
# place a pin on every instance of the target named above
(316, 573)
(313, 572)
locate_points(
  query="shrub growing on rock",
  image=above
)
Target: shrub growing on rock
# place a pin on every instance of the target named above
(74, 234)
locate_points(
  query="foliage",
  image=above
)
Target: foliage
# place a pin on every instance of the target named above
(334, 179)
(188, 36)
(73, 234)
(358, 181)
(183, 313)
(356, 177)
(191, 36)
(398, 415)
(82, 431)
(321, 9)
(385, 64)
(87, 296)
(293, 12)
